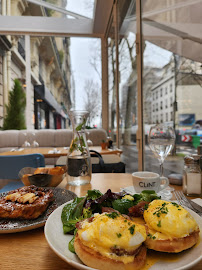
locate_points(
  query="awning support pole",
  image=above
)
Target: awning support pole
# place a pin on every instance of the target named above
(105, 92)
(140, 131)
(28, 112)
(116, 19)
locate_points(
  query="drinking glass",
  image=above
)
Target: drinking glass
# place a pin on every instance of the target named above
(26, 143)
(34, 143)
(161, 141)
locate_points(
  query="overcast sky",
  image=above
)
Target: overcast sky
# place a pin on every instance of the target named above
(82, 48)
(81, 51)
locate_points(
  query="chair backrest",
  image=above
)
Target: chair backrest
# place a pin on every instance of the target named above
(11, 165)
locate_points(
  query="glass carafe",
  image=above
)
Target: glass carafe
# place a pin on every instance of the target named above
(78, 158)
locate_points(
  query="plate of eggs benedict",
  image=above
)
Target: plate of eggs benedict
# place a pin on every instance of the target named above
(165, 236)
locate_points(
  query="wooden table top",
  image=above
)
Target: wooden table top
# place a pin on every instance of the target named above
(61, 151)
(30, 250)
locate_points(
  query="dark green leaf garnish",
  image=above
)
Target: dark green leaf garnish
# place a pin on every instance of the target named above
(132, 229)
(112, 215)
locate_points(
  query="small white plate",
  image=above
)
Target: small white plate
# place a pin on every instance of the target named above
(58, 241)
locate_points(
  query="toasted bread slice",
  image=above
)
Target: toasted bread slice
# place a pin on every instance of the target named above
(94, 259)
(174, 245)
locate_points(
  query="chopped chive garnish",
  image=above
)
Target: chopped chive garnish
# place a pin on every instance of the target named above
(112, 215)
(132, 229)
(159, 224)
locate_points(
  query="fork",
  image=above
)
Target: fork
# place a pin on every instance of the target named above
(181, 199)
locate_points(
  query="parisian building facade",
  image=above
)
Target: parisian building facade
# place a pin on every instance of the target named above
(178, 94)
(52, 90)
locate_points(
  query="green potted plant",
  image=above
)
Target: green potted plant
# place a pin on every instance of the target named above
(104, 145)
(15, 110)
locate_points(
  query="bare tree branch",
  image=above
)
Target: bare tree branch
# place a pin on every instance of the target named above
(92, 99)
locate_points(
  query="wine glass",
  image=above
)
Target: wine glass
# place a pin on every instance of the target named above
(161, 141)
(34, 142)
(26, 143)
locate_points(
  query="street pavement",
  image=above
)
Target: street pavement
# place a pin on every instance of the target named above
(172, 164)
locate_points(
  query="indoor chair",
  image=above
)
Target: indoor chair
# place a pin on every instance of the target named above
(11, 165)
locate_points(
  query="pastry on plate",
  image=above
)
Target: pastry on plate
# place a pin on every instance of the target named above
(28, 202)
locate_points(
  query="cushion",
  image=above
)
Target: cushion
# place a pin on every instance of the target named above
(9, 138)
(63, 137)
(45, 137)
(97, 136)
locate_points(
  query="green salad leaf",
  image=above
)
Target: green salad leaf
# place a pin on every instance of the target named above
(93, 194)
(149, 195)
(71, 242)
(72, 213)
(71, 245)
(122, 205)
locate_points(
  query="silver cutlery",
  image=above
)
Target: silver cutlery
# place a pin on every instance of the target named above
(183, 200)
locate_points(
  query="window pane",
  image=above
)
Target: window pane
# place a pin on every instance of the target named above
(175, 65)
(58, 8)
(127, 84)
(65, 73)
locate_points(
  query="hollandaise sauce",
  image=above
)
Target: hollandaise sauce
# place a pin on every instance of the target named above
(170, 219)
(155, 257)
(111, 233)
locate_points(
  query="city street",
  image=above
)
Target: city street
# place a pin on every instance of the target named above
(172, 164)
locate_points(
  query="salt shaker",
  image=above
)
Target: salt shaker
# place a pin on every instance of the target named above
(192, 180)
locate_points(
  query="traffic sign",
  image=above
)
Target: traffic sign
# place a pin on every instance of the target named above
(186, 138)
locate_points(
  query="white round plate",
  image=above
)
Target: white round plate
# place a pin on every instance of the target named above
(58, 241)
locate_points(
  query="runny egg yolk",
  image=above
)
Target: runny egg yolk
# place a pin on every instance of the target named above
(170, 219)
(110, 231)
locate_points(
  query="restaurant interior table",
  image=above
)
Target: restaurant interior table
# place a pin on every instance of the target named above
(30, 250)
(51, 152)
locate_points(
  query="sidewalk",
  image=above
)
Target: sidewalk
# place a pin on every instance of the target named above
(186, 150)
(172, 164)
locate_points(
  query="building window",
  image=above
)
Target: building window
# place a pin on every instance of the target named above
(171, 88)
(171, 116)
(153, 96)
(166, 103)
(161, 106)
(171, 102)
(166, 90)
(161, 118)
(156, 94)
(166, 116)
(153, 108)
(161, 92)
(157, 107)
(157, 119)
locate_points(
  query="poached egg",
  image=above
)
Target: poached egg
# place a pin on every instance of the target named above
(110, 231)
(168, 220)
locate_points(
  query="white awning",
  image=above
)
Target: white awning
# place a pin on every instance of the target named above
(173, 25)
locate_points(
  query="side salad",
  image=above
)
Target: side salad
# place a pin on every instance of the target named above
(96, 202)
